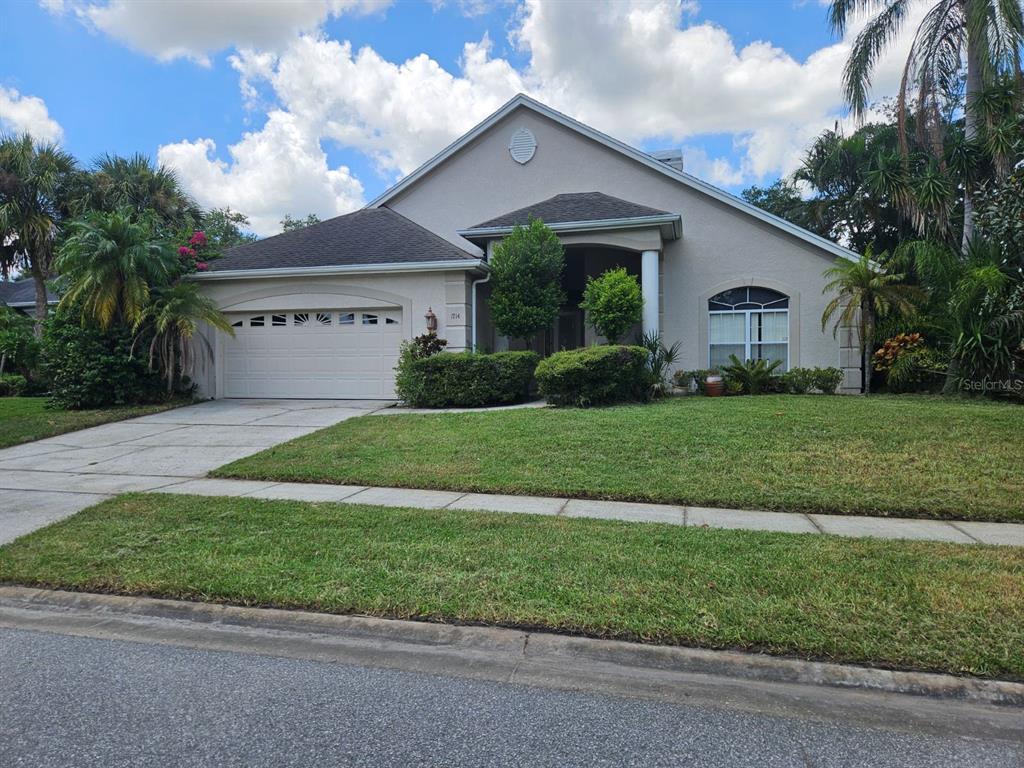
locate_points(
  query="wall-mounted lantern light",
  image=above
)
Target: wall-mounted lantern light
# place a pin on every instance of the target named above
(431, 319)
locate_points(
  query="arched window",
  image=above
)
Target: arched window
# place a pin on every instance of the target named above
(751, 323)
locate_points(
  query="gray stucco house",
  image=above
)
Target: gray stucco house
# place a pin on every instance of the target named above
(320, 312)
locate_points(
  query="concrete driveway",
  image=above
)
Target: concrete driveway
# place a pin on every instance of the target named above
(50, 479)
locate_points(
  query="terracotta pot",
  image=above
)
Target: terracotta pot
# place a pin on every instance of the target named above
(714, 386)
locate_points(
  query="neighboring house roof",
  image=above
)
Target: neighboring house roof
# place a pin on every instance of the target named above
(22, 293)
(377, 237)
(572, 207)
(522, 100)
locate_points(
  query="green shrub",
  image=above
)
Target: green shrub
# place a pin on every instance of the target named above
(463, 379)
(798, 381)
(751, 377)
(595, 376)
(19, 349)
(12, 385)
(90, 368)
(827, 380)
(613, 303)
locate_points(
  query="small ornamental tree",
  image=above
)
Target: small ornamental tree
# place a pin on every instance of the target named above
(526, 278)
(613, 303)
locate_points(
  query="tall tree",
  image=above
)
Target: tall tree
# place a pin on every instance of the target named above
(526, 280)
(225, 228)
(111, 262)
(288, 223)
(136, 184)
(859, 184)
(862, 293)
(783, 199)
(978, 41)
(37, 188)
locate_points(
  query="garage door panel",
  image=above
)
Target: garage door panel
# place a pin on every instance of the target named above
(327, 353)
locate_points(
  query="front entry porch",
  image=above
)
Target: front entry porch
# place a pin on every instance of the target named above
(571, 330)
(598, 233)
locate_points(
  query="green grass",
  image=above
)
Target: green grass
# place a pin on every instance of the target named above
(919, 605)
(911, 456)
(24, 419)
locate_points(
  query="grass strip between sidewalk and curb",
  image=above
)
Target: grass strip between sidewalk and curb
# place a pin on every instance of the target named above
(24, 419)
(888, 456)
(900, 604)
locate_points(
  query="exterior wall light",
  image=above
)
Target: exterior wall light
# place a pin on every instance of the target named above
(431, 319)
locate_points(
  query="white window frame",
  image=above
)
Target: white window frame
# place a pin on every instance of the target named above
(748, 345)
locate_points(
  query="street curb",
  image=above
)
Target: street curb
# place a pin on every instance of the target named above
(510, 649)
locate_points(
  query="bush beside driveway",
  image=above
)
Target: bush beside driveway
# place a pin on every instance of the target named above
(909, 456)
(919, 605)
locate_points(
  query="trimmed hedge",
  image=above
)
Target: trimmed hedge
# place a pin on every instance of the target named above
(464, 379)
(595, 376)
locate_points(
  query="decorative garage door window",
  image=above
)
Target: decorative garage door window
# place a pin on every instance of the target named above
(321, 319)
(749, 322)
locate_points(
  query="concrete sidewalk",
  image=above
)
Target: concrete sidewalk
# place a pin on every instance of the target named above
(1011, 534)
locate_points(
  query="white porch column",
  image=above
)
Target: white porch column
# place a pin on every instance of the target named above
(649, 285)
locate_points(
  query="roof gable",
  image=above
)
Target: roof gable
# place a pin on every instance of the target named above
(688, 180)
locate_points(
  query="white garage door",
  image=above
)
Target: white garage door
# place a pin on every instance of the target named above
(314, 353)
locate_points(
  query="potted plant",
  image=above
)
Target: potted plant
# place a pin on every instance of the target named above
(714, 386)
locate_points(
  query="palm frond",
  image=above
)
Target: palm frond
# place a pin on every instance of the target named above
(868, 48)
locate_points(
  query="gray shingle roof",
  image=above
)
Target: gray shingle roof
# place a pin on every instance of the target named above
(368, 236)
(22, 292)
(573, 206)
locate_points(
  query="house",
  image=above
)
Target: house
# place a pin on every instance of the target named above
(20, 295)
(320, 312)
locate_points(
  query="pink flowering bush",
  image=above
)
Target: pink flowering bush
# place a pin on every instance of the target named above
(196, 255)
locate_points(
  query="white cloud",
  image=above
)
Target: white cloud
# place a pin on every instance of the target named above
(398, 114)
(658, 77)
(194, 29)
(27, 114)
(643, 71)
(277, 170)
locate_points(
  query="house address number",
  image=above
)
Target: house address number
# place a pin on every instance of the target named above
(454, 316)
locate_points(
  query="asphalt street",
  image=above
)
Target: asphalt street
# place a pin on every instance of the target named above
(74, 701)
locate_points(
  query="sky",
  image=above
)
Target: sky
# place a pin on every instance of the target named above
(317, 106)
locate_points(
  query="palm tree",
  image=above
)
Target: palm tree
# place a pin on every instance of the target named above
(174, 317)
(983, 37)
(36, 191)
(863, 293)
(110, 263)
(136, 184)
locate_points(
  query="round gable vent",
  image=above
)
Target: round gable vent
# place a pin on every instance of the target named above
(522, 146)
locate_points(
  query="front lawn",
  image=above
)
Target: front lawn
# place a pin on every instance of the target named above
(911, 456)
(921, 605)
(24, 419)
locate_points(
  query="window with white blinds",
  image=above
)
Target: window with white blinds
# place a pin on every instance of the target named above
(751, 323)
